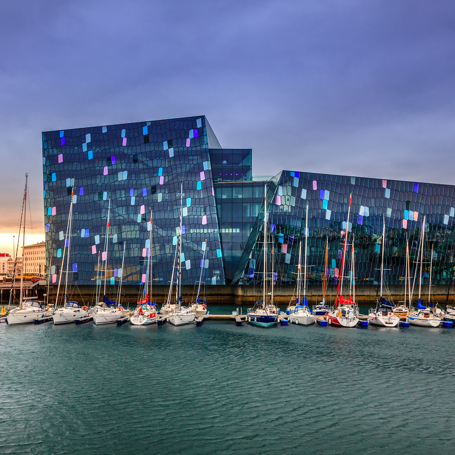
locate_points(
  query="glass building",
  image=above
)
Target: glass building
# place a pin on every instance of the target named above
(139, 168)
(401, 205)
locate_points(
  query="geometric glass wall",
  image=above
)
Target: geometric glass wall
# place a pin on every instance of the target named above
(401, 204)
(139, 167)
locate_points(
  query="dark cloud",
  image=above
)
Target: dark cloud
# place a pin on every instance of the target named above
(352, 87)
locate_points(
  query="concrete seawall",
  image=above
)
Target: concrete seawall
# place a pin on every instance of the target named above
(243, 295)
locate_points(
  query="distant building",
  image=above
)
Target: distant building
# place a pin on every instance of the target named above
(35, 258)
(4, 258)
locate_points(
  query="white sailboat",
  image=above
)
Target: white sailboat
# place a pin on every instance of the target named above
(107, 311)
(345, 313)
(264, 314)
(423, 316)
(383, 314)
(29, 308)
(181, 315)
(302, 313)
(71, 310)
(146, 312)
(200, 306)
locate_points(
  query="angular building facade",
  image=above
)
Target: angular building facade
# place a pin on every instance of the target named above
(138, 169)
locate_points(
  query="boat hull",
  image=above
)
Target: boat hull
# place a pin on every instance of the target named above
(302, 319)
(68, 317)
(181, 318)
(23, 317)
(106, 317)
(143, 319)
(263, 320)
(424, 322)
(381, 321)
(343, 322)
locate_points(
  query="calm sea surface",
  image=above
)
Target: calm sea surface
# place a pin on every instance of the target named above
(225, 389)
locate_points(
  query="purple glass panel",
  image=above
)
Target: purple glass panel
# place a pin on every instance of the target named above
(62, 141)
(416, 187)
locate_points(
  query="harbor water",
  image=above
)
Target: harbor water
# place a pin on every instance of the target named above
(225, 389)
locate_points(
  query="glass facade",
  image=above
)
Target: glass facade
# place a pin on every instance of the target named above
(140, 166)
(401, 204)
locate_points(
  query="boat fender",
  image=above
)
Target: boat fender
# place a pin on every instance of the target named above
(338, 315)
(85, 308)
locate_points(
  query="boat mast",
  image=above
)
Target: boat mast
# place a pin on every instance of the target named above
(406, 271)
(299, 273)
(353, 269)
(23, 243)
(64, 253)
(431, 272)
(180, 246)
(382, 255)
(421, 257)
(121, 277)
(271, 272)
(69, 246)
(107, 245)
(265, 247)
(151, 257)
(340, 282)
(306, 253)
(202, 268)
(172, 276)
(325, 268)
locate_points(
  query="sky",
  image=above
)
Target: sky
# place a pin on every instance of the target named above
(352, 87)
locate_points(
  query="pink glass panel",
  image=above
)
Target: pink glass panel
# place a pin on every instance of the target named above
(202, 174)
(103, 256)
(162, 180)
(144, 252)
(315, 185)
(384, 183)
(54, 211)
(336, 273)
(278, 199)
(416, 215)
(54, 278)
(124, 141)
(284, 248)
(93, 249)
(142, 209)
(405, 224)
(60, 158)
(144, 277)
(105, 170)
(188, 142)
(204, 219)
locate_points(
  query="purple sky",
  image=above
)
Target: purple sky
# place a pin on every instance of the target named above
(354, 87)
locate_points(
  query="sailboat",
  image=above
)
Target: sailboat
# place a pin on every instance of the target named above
(302, 313)
(107, 311)
(146, 312)
(345, 313)
(29, 308)
(423, 316)
(181, 315)
(71, 310)
(321, 309)
(200, 306)
(383, 314)
(264, 314)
